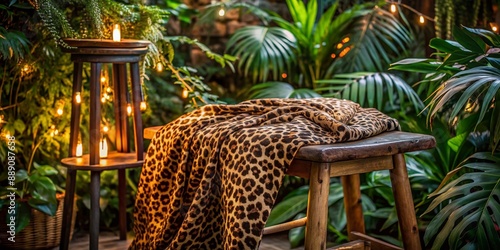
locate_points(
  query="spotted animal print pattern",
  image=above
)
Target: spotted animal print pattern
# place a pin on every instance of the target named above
(210, 177)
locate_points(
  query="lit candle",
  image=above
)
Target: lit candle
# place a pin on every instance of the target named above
(116, 33)
(79, 149)
(103, 148)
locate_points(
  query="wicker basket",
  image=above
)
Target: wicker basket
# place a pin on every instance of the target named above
(43, 231)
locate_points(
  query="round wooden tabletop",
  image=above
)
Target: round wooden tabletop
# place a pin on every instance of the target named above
(104, 43)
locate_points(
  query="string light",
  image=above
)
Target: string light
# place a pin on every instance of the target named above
(421, 17)
(185, 93)
(105, 129)
(78, 97)
(284, 75)
(59, 111)
(333, 55)
(129, 109)
(159, 67)
(346, 39)
(222, 12)
(143, 106)
(108, 89)
(393, 8)
(103, 99)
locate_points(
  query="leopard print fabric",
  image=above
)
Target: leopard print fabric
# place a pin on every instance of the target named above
(210, 178)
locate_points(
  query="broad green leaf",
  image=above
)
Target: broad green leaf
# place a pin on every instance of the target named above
(469, 40)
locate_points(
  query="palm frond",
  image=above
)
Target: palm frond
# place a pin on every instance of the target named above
(374, 39)
(472, 206)
(263, 50)
(369, 89)
(477, 82)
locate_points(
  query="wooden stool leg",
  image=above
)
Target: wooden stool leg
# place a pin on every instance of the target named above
(404, 203)
(352, 204)
(317, 208)
(136, 100)
(69, 198)
(95, 188)
(122, 203)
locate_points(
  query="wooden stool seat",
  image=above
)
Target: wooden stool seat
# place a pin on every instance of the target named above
(347, 160)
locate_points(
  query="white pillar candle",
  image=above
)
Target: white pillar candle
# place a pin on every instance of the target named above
(116, 33)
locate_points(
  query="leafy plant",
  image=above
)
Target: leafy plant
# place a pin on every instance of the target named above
(464, 91)
(33, 189)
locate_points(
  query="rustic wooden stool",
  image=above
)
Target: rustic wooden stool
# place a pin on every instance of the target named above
(97, 52)
(347, 160)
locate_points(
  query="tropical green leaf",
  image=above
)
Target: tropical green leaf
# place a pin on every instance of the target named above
(471, 206)
(469, 40)
(279, 90)
(287, 209)
(374, 39)
(262, 50)
(370, 86)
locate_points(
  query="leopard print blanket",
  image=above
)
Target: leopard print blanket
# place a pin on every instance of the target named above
(210, 178)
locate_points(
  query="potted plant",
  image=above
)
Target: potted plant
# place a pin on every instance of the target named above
(30, 204)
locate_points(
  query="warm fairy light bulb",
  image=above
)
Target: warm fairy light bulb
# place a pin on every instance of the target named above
(284, 75)
(143, 106)
(7, 136)
(129, 109)
(56, 132)
(108, 89)
(103, 79)
(59, 111)
(159, 67)
(393, 8)
(103, 99)
(494, 28)
(79, 149)
(421, 19)
(222, 12)
(103, 148)
(105, 129)
(185, 93)
(116, 33)
(78, 97)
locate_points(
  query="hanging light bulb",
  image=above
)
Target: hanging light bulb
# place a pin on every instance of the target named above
(129, 109)
(59, 111)
(284, 75)
(105, 129)
(78, 97)
(108, 89)
(393, 8)
(222, 12)
(159, 67)
(103, 99)
(421, 19)
(143, 106)
(185, 93)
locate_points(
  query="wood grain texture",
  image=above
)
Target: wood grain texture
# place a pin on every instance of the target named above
(317, 207)
(388, 143)
(105, 43)
(404, 204)
(352, 204)
(285, 226)
(113, 161)
(374, 243)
